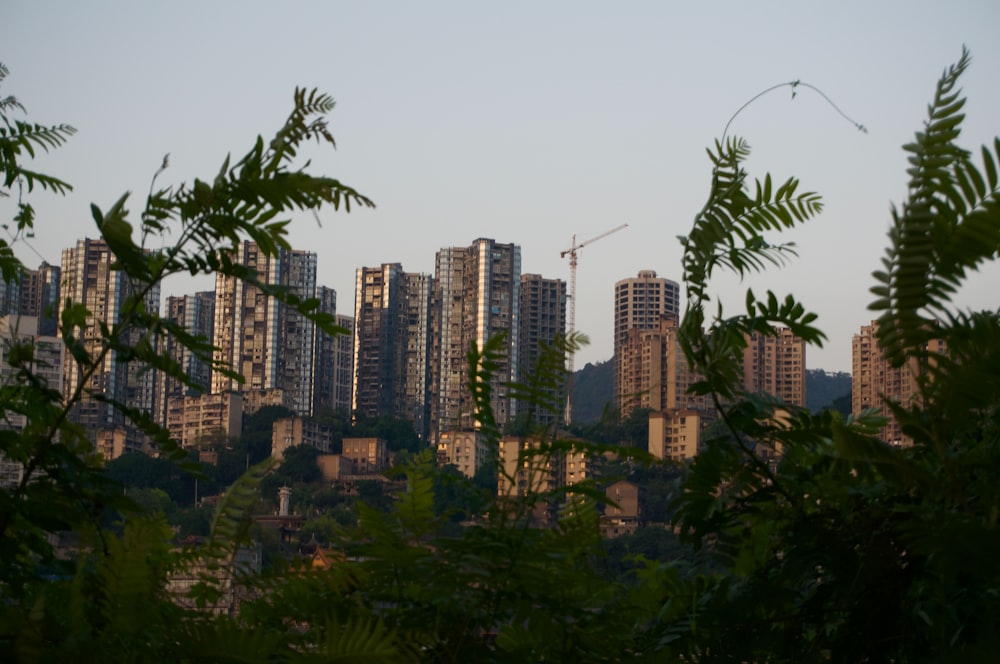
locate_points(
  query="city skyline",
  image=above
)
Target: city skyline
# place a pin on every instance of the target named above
(527, 123)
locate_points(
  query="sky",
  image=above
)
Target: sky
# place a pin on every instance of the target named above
(525, 122)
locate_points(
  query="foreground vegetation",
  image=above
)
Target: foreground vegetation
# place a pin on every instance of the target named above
(834, 547)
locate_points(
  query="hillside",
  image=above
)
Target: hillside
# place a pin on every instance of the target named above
(593, 388)
(825, 387)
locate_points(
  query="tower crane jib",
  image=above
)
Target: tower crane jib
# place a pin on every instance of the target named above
(572, 253)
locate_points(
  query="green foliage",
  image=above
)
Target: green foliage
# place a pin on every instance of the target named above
(828, 544)
(399, 434)
(299, 464)
(255, 440)
(111, 603)
(593, 388)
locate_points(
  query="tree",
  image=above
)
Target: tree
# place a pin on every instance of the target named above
(299, 464)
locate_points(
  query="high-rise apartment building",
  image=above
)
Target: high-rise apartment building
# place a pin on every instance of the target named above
(47, 364)
(268, 343)
(343, 367)
(246, 325)
(874, 380)
(297, 272)
(543, 319)
(88, 279)
(776, 365)
(325, 356)
(378, 339)
(653, 372)
(196, 314)
(476, 296)
(417, 359)
(35, 293)
(391, 351)
(639, 302)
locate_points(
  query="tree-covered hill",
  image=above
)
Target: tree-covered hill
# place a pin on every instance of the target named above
(824, 387)
(592, 389)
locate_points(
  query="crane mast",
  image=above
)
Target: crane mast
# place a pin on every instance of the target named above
(572, 253)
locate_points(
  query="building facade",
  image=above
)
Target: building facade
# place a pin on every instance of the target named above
(416, 403)
(543, 320)
(776, 365)
(874, 381)
(368, 455)
(466, 450)
(391, 344)
(89, 279)
(379, 334)
(196, 314)
(324, 367)
(293, 431)
(675, 434)
(653, 372)
(47, 358)
(35, 293)
(639, 304)
(268, 343)
(196, 419)
(476, 296)
(343, 368)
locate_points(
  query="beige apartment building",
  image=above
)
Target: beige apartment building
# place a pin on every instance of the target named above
(776, 365)
(294, 431)
(466, 450)
(874, 380)
(675, 434)
(640, 303)
(529, 468)
(193, 419)
(622, 511)
(653, 372)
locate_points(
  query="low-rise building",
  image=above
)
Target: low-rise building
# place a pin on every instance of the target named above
(675, 434)
(466, 450)
(292, 431)
(194, 419)
(369, 456)
(622, 511)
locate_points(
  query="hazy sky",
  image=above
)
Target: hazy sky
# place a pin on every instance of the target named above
(525, 122)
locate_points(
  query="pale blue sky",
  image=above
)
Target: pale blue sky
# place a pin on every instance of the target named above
(526, 122)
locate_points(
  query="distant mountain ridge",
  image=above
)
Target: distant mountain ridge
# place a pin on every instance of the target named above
(593, 388)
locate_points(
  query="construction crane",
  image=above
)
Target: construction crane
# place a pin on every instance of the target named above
(574, 247)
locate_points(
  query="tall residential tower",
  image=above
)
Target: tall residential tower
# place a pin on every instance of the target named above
(640, 302)
(89, 279)
(476, 296)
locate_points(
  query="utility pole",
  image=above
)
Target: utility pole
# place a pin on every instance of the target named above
(574, 247)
